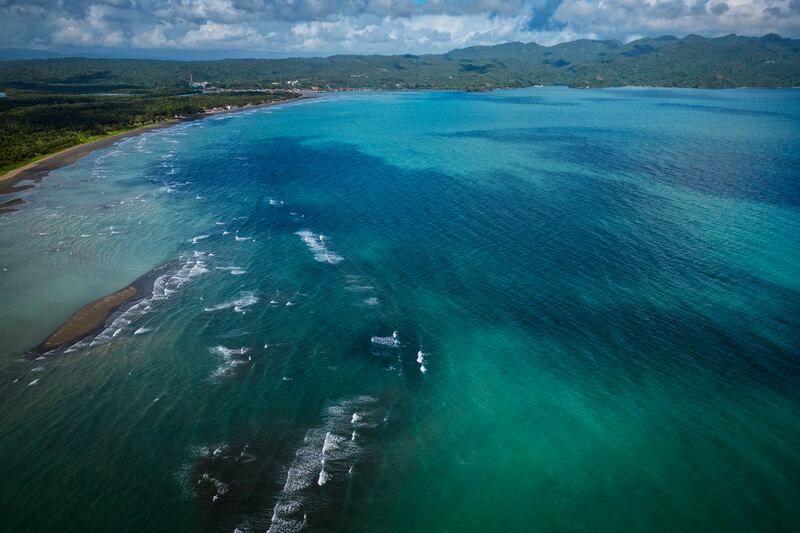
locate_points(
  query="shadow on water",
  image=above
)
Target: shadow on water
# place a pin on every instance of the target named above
(705, 165)
(497, 97)
(723, 110)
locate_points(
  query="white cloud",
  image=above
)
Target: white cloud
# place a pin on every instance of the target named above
(71, 32)
(377, 26)
(219, 34)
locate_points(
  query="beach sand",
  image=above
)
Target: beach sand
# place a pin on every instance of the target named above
(92, 317)
(36, 170)
(87, 319)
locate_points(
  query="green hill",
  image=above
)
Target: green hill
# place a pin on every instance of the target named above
(693, 61)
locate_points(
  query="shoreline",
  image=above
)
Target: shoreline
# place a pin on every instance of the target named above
(39, 168)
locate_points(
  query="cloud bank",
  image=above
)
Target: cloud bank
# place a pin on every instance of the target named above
(374, 26)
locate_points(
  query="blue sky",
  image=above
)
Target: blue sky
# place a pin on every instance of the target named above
(372, 26)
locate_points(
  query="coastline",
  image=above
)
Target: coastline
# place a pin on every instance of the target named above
(39, 168)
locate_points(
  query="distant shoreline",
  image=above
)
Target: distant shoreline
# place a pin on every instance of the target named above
(39, 168)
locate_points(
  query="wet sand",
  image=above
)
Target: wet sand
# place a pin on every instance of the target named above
(87, 319)
(93, 317)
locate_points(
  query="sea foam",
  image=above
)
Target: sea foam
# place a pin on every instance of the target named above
(245, 299)
(316, 243)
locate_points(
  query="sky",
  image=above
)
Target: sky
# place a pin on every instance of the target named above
(324, 27)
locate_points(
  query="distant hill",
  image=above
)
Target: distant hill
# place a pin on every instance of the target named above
(693, 61)
(163, 54)
(12, 54)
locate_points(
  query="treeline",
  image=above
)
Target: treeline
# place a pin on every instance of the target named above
(35, 124)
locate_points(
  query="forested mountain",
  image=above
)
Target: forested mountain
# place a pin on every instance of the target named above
(693, 61)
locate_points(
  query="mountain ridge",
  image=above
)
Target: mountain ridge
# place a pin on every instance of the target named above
(667, 61)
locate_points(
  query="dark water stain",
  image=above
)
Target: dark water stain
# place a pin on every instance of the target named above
(768, 173)
(723, 110)
(492, 97)
(10, 205)
(291, 477)
(673, 94)
(577, 231)
(531, 256)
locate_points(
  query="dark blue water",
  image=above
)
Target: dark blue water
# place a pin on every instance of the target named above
(542, 309)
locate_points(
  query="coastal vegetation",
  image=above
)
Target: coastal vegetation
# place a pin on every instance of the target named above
(34, 124)
(56, 103)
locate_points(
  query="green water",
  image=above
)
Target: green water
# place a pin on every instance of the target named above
(601, 287)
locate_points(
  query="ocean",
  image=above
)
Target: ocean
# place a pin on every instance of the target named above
(525, 310)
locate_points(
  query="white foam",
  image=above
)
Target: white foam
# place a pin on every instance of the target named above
(246, 299)
(231, 358)
(34, 382)
(325, 453)
(323, 477)
(240, 239)
(234, 270)
(331, 443)
(199, 238)
(141, 331)
(163, 287)
(371, 301)
(228, 352)
(316, 243)
(392, 342)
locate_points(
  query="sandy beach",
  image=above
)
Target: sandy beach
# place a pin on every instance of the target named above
(36, 170)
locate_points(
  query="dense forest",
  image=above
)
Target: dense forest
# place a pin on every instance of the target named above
(60, 102)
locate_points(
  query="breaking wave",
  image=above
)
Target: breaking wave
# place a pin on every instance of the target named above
(327, 456)
(316, 243)
(245, 299)
(163, 287)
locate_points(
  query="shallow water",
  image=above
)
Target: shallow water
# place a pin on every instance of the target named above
(541, 309)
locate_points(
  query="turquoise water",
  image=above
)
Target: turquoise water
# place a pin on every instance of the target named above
(602, 288)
